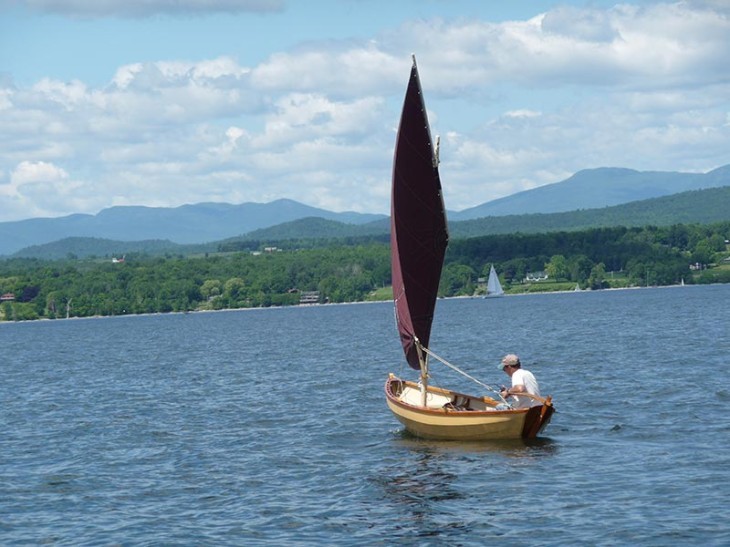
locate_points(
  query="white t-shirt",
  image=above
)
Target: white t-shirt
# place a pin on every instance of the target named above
(522, 377)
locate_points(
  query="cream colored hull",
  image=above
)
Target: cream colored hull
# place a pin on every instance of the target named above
(445, 421)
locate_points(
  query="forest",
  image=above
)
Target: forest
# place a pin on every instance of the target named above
(353, 271)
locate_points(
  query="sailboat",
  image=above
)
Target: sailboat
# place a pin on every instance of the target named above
(494, 287)
(419, 236)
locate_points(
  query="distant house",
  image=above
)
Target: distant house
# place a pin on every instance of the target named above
(7, 297)
(309, 297)
(536, 276)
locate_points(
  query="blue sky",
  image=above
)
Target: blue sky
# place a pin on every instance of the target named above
(161, 103)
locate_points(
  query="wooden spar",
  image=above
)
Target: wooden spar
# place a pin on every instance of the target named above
(423, 361)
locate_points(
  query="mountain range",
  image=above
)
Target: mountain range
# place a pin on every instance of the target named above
(595, 188)
(208, 222)
(187, 224)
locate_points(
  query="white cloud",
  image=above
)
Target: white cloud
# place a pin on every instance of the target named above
(67, 94)
(521, 104)
(590, 25)
(522, 113)
(222, 72)
(37, 173)
(345, 68)
(5, 95)
(651, 47)
(36, 188)
(126, 74)
(300, 117)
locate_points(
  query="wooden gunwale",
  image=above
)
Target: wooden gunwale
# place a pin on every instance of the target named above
(442, 391)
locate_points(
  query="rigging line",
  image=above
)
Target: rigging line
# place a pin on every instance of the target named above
(457, 369)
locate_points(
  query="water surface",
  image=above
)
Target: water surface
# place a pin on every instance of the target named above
(270, 426)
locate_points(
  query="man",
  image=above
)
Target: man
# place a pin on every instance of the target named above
(523, 381)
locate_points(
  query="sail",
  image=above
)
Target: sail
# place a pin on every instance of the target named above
(494, 287)
(418, 233)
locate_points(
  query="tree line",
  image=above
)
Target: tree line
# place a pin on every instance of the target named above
(645, 256)
(36, 289)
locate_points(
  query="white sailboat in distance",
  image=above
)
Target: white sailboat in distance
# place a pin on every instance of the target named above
(494, 287)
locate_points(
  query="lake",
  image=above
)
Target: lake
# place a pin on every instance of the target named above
(269, 427)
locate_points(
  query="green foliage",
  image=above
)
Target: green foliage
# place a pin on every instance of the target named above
(380, 294)
(705, 206)
(598, 258)
(82, 288)
(597, 278)
(457, 280)
(72, 248)
(557, 268)
(716, 275)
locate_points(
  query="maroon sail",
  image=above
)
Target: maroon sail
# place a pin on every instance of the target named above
(418, 233)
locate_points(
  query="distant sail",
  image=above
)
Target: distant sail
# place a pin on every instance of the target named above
(494, 287)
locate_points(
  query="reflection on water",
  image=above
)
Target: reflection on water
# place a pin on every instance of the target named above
(430, 476)
(416, 489)
(512, 448)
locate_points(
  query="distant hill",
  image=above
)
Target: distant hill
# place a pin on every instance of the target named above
(596, 188)
(306, 228)
(84, 247)
(318, 228)
(198, 223)
(694, 207)
(210, 222)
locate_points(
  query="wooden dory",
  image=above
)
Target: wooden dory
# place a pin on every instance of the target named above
(419, 237)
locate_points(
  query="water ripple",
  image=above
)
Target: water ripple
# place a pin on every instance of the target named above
(269, 427)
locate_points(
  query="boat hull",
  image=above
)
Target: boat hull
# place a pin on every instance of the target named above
(459, 417)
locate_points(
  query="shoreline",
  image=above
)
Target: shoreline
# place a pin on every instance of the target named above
(360, 302)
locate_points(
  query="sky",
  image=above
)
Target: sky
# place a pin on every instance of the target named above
(167, 102)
